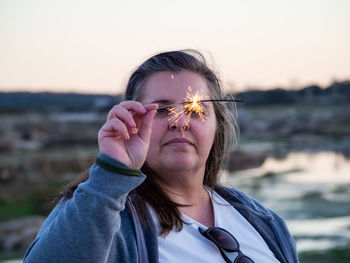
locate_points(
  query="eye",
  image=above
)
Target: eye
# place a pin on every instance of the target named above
(163, 111)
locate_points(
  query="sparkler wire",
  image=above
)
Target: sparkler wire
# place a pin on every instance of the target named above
(199, 101)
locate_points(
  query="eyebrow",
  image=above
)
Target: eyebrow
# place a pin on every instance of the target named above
(162, 101)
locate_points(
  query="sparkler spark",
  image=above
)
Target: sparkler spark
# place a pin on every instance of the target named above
(192, 105)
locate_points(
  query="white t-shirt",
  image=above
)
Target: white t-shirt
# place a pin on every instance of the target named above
(189, 245)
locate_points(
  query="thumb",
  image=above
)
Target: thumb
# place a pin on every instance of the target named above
(146, 122)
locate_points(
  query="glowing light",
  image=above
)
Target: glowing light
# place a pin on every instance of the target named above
(191, 105)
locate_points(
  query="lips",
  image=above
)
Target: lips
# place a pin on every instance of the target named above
(178, 142)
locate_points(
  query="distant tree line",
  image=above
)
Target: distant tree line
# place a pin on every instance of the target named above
(337, 92)
(53, 102)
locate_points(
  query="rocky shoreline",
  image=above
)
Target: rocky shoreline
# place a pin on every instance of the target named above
(40, 153)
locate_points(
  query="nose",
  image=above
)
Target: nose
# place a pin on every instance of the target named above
(181, 122)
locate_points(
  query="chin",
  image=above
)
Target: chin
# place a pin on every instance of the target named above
(175, 161)
(180, 163)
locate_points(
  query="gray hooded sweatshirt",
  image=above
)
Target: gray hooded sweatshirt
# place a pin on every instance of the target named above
(96, 226)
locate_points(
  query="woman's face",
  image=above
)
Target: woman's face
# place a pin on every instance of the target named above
(185, 145)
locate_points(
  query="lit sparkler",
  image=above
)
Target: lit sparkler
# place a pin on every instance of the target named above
(192, 105)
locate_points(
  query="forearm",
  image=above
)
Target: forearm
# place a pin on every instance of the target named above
(84, 226)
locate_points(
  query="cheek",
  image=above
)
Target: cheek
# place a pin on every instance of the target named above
(210, 128)
(211, 139)
(211, 135)
(205, 134)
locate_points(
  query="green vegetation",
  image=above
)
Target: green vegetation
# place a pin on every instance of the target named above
(13, 254)
(338, 128)
(339, 255)
(16, 210)
(40, 203)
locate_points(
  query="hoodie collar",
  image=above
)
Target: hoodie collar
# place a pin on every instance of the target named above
(240, 200)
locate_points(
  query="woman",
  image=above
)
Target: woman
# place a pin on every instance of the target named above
(153, 193)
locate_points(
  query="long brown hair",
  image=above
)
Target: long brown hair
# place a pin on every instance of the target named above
(225, 140)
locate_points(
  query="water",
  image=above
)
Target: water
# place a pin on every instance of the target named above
(311, 191)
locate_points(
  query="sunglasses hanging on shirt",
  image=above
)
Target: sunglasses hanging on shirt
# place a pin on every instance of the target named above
(225, 241)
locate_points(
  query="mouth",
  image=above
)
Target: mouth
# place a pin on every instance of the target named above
(178, 142)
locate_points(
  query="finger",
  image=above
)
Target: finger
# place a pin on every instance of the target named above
(133, 106)
(151, 106)
(123, 114)
(113, 128)
(130, 106)
(139, 118)
(146, 124)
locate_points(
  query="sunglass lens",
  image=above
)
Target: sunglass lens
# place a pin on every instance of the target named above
(243, 259)
(225, 240)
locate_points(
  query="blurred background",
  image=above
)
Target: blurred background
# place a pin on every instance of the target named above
(64, 64)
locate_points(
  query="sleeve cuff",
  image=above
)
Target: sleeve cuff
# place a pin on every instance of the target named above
(113, 165)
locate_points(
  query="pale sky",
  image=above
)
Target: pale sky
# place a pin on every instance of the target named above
(92, 46)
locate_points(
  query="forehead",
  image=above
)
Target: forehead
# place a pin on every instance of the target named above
(173, 87)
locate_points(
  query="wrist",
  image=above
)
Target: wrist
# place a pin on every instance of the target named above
(109, 163)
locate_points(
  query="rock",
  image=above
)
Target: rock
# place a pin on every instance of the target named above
(19, 233)
(5, 175)
(241, 160)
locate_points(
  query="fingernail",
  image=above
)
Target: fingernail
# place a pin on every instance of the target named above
(151, 106)
(134, 130)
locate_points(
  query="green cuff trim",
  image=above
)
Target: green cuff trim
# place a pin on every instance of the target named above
(117, 169)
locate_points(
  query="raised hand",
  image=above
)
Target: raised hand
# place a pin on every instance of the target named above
(126, 134)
